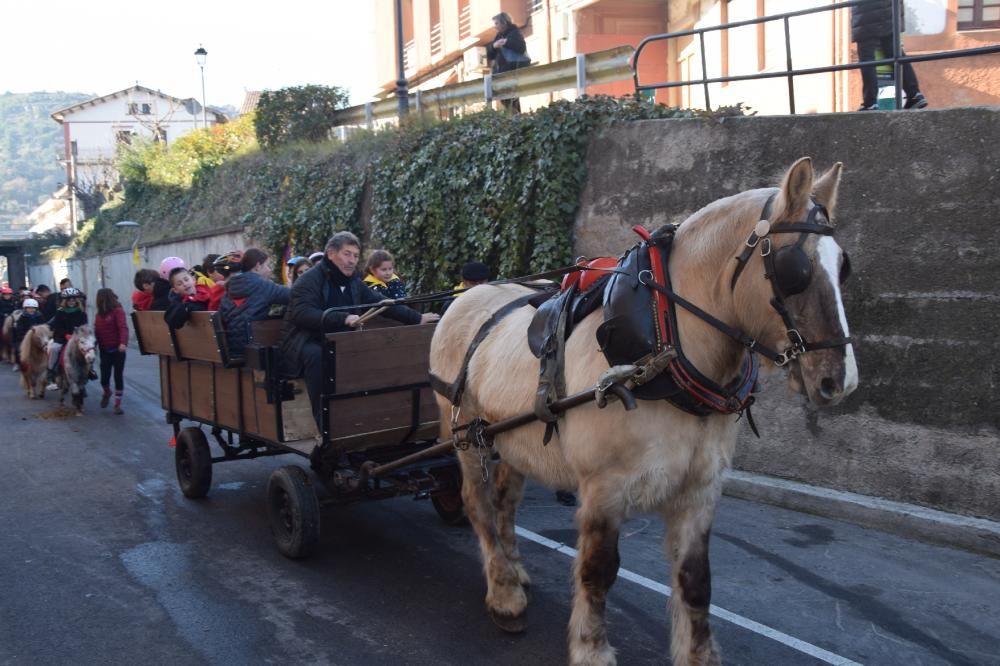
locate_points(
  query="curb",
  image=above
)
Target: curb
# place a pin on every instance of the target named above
(947, 529)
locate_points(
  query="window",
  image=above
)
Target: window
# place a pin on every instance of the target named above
(978, 14)
(124, 137)
(160, 135)
(136, 108)
(535, 6)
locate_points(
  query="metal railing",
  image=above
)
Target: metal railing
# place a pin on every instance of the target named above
(572, 73)
(436, 41)
(897, 60)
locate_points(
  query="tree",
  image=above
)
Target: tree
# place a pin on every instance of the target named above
(300, 113)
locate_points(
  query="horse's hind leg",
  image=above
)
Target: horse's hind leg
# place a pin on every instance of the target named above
(506, 600)
(509, 493)
(598, 521)
(689, 524)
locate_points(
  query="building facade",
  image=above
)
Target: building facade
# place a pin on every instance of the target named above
(94, 129)
(445, 39)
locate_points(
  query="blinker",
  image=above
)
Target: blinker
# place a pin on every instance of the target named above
(792, 270)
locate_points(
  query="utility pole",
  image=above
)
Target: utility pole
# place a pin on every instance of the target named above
(402, 94)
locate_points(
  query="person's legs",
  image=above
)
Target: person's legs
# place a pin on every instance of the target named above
(107, 359)
(54, 350)
(910, 85)
(119, 366)
(312, 359)
(869, 75)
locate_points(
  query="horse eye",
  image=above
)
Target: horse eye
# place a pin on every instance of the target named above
(845, 268)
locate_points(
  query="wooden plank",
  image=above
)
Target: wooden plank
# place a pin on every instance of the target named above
(375, 413)
(383, 438)
(296, 415)
(372, 359)
(202, 393)
(266, 333)
(227, 406)
(196, 339)
(179, 394)
(154, 333)
(249, 409)
(164, 383)
(267, 414)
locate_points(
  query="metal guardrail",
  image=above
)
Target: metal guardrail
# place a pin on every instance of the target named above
(789, 72)
(577, 72)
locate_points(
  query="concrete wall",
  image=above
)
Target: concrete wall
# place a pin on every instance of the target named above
(918, 215)
(118, 268)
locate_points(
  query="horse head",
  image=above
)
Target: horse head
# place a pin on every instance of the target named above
(41, 335)
(798, 309)
(85, 344)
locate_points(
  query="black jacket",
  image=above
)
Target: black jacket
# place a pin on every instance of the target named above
(24, 323)
(248, 298)
(515, 42)
(306, 317)
(7, 306)
(872, 19)
(161, 294)
(64, 323)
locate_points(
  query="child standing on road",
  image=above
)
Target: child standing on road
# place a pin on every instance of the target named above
(380, 275)
(112, 339)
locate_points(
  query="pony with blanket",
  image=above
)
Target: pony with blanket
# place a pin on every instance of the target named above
(750, 282)
(35, 360)
(74, 366)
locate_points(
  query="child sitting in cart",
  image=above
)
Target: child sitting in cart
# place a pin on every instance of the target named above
(190, 297)
(380, 275)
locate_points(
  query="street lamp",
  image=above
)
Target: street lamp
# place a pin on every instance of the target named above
(200, 56)
(402, 94)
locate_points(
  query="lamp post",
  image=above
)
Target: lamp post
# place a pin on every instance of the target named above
(200, 56)
(402, 94)
(129, 224)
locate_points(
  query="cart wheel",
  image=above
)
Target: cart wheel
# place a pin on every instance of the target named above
(451, 509)
(293, 509)
(194, 463)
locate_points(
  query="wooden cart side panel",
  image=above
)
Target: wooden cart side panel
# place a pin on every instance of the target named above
(377, 413)
(164, 382)
(297, 420)
(152, 333)
(180, 393)
(196, 339)
(266, 333)
(373, 359)
(249, 408)
(227, 395)
(267, 414)
(202, 392)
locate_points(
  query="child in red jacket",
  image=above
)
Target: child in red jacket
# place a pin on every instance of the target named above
(192, 297)
(112, 339)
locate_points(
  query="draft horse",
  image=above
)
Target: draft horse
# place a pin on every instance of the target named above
(74, 367)
(764, 269)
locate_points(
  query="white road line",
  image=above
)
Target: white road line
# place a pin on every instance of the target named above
(721, 613)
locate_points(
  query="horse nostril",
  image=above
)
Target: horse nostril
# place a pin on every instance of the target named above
(828, 388)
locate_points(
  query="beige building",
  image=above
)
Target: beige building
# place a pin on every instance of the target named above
(444, 42)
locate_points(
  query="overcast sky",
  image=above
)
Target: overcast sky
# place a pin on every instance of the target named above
(101, 46)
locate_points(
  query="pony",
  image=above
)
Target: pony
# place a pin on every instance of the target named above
(74, 367)
(35, 360)
(7, 337)
(655, 458)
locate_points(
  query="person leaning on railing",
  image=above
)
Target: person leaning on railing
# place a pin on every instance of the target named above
(871, 29)
(507, 52)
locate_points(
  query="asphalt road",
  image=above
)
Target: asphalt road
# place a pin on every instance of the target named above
(103, 561)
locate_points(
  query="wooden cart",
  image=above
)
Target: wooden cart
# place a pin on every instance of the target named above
(378, 408)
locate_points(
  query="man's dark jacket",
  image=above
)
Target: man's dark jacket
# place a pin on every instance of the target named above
(872, 19)
(306, 317)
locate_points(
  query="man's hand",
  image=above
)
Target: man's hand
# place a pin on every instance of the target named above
(429, 317)
(351, 320)
(500, 43)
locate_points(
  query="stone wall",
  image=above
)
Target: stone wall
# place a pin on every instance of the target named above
(919, 214)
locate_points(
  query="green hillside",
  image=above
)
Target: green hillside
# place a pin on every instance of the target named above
(30, 145)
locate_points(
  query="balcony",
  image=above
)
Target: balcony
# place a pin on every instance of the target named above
(409, 57)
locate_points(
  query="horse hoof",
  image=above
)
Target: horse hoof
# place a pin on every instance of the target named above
(511, 624)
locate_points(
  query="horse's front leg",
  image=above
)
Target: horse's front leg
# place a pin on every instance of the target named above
(506, 600)
(598, 521)
(509, 493)
(689, 524)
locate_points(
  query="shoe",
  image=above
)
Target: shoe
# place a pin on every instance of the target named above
(918, 101)
(566, 498)
(15, 368)
(105, 399)
(873, 107)
(91, 376)
(52, 387)
(118, 409)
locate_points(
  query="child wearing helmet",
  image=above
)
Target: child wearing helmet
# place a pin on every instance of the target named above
(296, 267)
(69, 315)
(31, 315)
(7, 303)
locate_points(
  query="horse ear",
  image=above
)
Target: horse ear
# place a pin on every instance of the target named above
(796, 187)
(826, 187)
